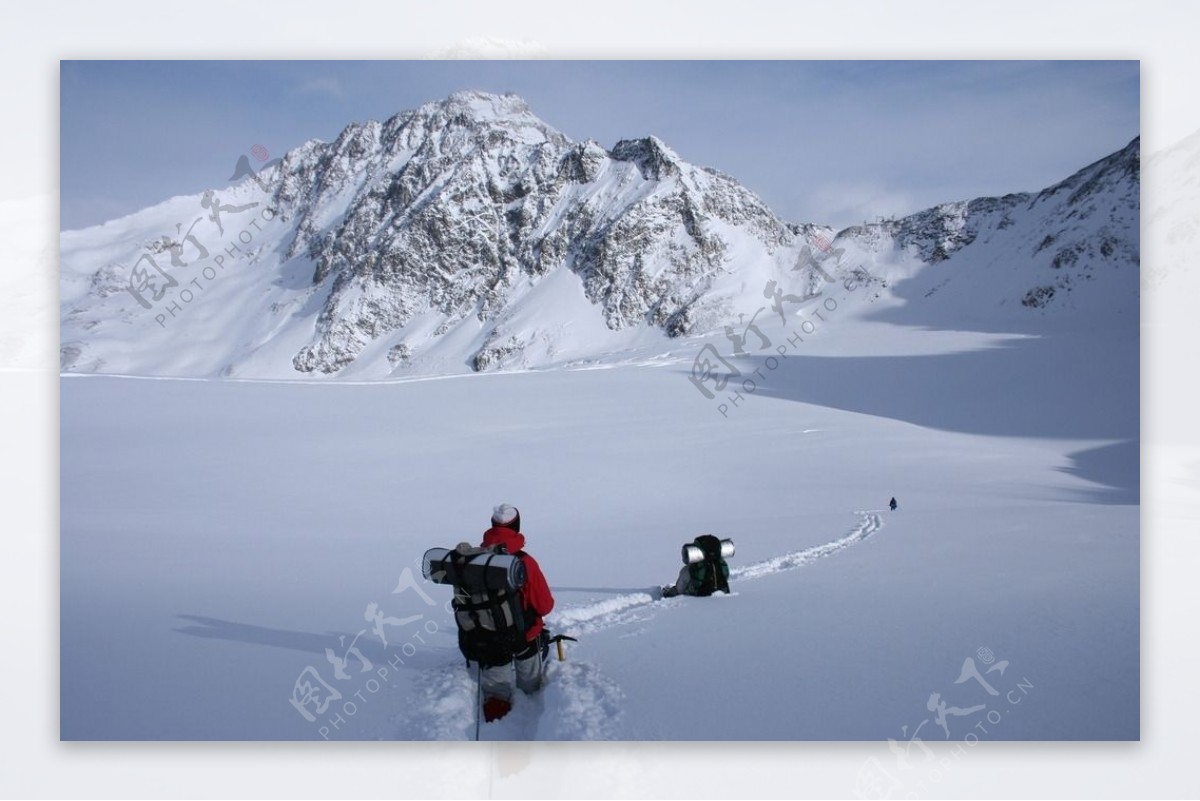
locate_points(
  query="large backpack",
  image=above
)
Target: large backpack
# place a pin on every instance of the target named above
(712, 573)
(487, 600)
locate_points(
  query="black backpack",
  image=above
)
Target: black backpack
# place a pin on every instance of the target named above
(487, 601)
(712, 573)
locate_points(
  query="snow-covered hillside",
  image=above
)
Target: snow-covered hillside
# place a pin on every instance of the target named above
(1066, 256)
(468, 235)
(221, 539)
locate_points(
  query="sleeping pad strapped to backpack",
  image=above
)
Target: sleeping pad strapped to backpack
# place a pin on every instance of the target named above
(487, 602)
(712, 572)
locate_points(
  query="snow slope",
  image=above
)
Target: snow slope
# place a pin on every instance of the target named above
(219, 536)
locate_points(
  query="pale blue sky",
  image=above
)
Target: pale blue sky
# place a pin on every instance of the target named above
(831, 142)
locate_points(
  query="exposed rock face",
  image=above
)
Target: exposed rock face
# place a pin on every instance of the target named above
(469, 234)
(1052, 240)
(450, 206)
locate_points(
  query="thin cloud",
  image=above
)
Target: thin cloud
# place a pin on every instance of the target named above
(847, 203)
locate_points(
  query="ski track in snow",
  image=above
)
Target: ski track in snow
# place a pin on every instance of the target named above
(633, 607)
(586, 703)
(868, 526)
(604, 614)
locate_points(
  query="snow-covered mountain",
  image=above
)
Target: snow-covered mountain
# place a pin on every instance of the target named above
(469, 235)
(986, 378)
(1069, 252)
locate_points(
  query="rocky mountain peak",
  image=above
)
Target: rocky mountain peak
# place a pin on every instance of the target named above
(449, 209)
(1121, 167)
(652, 156)
(467, 233)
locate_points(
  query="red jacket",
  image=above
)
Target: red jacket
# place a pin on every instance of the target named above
(535, 595)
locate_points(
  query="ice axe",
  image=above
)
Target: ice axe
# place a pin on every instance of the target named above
(557, 639)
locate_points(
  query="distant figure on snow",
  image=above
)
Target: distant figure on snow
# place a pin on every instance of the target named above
(707, 575)
(892, 505)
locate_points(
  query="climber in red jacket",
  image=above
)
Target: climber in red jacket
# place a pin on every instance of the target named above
(536, 601)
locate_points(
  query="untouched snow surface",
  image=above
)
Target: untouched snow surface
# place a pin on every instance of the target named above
(229, 547)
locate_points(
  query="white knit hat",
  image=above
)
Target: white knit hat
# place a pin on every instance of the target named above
(504, 514)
